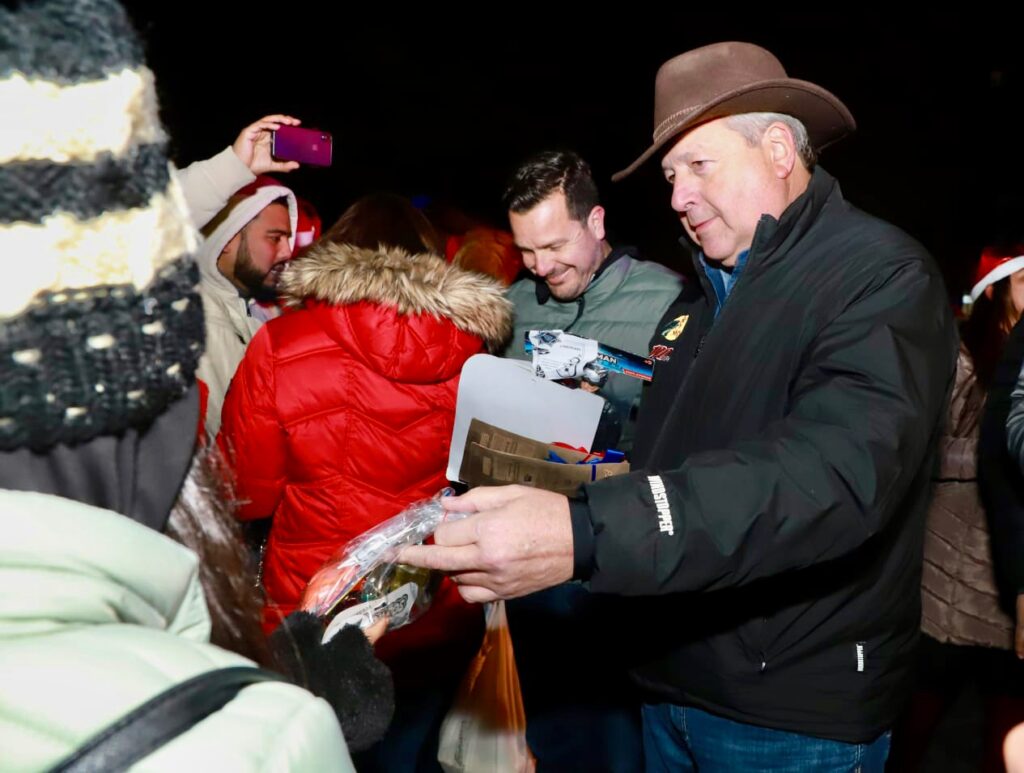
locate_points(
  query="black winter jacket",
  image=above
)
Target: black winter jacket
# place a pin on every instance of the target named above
(1000, 477)
(782, 470)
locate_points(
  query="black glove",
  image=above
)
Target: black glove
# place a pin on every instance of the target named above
(344, 672)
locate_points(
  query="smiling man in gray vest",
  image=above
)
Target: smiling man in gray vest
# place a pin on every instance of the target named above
(580, 283)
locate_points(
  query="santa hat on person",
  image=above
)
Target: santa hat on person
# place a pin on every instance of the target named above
(308, 226)
(993, 266)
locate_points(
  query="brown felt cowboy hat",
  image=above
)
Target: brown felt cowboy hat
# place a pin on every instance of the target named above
(731, 78)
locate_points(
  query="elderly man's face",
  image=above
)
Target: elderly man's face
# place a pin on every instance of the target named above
(721, 186)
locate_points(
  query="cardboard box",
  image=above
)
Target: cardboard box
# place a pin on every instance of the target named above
(505, 393)
(497, 457)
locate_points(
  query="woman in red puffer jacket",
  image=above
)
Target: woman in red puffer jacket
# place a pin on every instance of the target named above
(341, 414)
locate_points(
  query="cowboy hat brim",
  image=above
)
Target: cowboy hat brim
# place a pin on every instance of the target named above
(826, 118)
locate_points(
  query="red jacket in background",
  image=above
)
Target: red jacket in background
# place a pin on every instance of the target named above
(341, 413)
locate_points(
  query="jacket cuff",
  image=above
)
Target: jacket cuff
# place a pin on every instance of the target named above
(582, 540)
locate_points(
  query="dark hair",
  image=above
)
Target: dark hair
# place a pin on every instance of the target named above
(203, 520)
(385, 219)
(345, 673)
(986, 330)
(553, 170)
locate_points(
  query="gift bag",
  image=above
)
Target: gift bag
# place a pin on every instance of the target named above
(485, 730)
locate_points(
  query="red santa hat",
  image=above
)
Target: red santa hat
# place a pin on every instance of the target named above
(992, 267)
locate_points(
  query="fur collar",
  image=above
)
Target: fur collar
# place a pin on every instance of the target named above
(412, 284)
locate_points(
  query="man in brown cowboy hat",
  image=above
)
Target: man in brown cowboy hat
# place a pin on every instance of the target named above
(783, 451)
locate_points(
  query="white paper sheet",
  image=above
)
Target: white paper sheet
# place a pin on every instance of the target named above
(505, 393)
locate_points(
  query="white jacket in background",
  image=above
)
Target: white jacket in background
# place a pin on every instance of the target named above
(231, 320)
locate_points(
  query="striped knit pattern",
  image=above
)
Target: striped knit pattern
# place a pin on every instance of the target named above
(100, 321)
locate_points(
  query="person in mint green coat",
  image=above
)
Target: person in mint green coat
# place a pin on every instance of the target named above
(100, 613)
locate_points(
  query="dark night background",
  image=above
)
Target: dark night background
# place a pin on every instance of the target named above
(445, 104)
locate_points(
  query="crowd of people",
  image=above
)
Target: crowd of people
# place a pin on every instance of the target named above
(204, 394)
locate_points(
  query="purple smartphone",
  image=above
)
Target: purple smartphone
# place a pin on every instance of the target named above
(307, 146)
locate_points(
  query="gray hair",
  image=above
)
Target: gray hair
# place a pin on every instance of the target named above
(752, 127)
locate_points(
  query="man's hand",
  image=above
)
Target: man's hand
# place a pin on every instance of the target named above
(253, 145)
(515, 541)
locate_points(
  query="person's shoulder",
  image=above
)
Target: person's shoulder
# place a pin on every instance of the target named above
(267, 726)
(851, 253)
(862, 267)
(292, 334)
(658, 284)
(294, 321)
(271, 725)
(871, 237)
(650, 274)
(220, 308)
(523, 292)
(645, 268)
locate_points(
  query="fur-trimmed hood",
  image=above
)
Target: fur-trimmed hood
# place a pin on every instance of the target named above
(341, 274)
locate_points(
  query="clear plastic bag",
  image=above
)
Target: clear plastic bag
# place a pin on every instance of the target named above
(362, 582)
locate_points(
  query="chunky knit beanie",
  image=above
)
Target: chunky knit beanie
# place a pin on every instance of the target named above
(101, 326)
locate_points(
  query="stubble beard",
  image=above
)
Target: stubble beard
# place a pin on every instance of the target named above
(251, 277)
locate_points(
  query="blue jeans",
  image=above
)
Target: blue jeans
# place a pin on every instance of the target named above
(681, 738)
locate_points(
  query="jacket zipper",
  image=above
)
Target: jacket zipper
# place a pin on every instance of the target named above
(715, 321)
(580, 305)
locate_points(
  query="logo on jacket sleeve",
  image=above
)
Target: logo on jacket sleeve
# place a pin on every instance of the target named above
(661, 504)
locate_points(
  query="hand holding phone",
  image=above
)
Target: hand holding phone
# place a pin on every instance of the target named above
(307, 146)
(253, 145)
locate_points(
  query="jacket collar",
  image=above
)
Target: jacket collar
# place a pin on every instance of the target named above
(611, 275)
(606, 280)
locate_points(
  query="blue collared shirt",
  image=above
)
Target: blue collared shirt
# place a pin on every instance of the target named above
(723, 279)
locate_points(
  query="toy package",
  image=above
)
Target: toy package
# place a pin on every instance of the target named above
(362, 582)
(558, 355)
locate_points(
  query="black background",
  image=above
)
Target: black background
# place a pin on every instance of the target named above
(444, 104)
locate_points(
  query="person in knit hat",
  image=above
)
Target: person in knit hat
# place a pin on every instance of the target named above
(101, 331)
